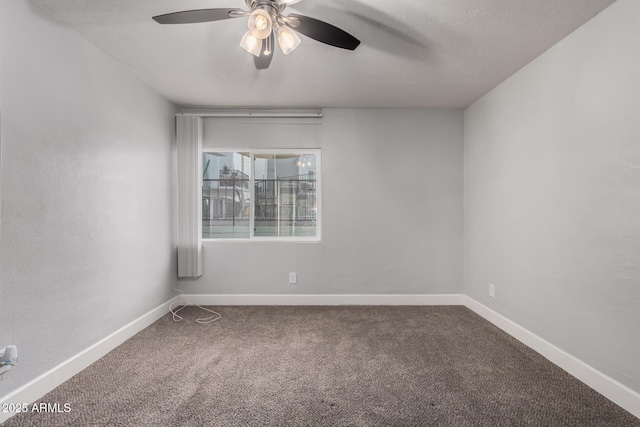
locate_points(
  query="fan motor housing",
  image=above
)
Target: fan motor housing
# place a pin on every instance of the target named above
(268, 5)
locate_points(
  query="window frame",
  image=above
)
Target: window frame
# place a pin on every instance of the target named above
(273, 151)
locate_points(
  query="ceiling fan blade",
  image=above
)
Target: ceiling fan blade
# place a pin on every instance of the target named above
(323, 32)
(263, 61)
(287, 2)
(198, 15)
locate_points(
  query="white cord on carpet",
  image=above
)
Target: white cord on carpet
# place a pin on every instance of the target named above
(182, 305)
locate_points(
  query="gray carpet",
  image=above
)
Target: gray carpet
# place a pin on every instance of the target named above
(326, 366)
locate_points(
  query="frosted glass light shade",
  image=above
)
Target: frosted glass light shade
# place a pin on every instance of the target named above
(288, 40)
(260, 24)
(251, 44)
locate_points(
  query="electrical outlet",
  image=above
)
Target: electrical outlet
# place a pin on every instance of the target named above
(492, 290)
(8, 358)
(293, 279)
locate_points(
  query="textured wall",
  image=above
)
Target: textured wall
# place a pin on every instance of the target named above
(391, 211)
(87, 193)
(552, 194)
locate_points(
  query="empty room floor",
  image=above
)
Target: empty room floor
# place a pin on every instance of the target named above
(326, 366)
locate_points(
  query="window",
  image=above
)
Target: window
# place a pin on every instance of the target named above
(226, 195)
(262, 195)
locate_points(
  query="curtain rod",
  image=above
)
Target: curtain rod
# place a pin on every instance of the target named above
(262, 113)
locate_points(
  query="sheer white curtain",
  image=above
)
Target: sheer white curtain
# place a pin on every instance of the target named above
(189, 151)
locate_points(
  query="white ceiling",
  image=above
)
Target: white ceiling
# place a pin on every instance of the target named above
(414, 53)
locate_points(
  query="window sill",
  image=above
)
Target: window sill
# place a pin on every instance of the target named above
(263, 240)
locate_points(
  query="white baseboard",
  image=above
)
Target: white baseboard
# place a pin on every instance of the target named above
(603, 384)
(336, 299)
(46, 382)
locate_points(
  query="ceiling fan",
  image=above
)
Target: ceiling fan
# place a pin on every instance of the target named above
(268, 23)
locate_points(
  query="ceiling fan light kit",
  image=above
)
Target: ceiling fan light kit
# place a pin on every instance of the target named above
(288, 40)
(251, 44)
(267, 22)
(260, 23)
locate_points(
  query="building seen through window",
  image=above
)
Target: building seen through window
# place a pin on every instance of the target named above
(279, 201)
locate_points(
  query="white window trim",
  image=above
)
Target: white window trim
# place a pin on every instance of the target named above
(280, 239)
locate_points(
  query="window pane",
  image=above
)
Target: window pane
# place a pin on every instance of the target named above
(285, 192)
(225, 195)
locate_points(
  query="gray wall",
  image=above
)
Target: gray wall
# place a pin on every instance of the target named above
(87, 193)
(552, 195)
(391, 211)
